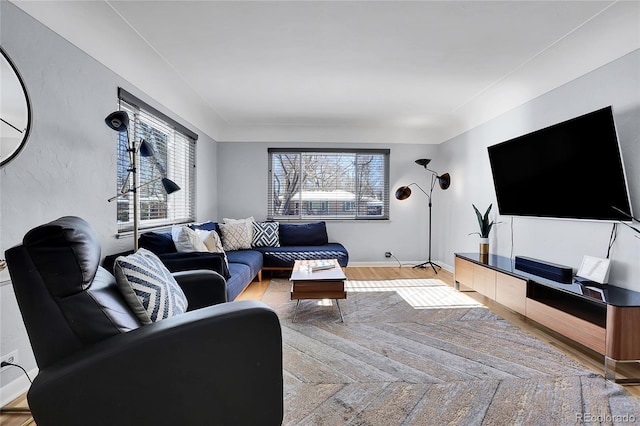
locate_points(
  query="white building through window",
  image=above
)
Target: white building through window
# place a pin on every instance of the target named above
(328, 184)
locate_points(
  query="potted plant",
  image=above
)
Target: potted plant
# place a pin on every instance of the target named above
(485, 228)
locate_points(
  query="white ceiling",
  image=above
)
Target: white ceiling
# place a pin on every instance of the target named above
(344, 71)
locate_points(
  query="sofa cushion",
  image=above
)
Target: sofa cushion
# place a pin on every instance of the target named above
(157, 242)
(303, 234)
(284, 257)
(241, 276)
(266, 234)
(148, 287)
(251, 258)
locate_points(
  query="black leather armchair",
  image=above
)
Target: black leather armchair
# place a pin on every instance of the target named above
(219, 365)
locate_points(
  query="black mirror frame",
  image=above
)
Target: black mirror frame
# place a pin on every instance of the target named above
(27, 130)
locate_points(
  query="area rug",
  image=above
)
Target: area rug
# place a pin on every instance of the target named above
(418, 352)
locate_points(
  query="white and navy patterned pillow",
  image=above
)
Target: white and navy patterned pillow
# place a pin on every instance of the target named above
(266, 234)
(235, 236)
(148, 287)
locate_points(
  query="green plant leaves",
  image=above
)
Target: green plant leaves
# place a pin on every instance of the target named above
(483, 221)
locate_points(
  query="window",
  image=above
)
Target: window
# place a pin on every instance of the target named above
(328, 184)
(174, 158)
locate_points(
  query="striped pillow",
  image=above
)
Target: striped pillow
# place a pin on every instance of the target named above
(148, 287)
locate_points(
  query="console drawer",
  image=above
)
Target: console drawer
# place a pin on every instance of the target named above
(511, 292)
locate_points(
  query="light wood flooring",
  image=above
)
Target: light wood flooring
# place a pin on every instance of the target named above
(588, 358)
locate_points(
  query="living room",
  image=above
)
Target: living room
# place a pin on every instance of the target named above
(68, 164)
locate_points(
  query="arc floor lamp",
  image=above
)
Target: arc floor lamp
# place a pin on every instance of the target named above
(119, 121)
(404, 192)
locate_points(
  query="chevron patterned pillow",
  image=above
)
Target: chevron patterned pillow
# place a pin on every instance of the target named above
(148, 287)
(266, 234)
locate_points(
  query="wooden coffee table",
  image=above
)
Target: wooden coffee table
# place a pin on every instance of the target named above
(320, 284)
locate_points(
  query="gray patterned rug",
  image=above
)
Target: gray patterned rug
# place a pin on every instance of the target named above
(417, 352)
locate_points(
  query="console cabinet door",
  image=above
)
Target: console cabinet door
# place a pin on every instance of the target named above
(484, 281)
(464, 274)
(511, 292)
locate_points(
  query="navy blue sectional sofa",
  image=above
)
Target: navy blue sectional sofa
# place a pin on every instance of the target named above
(296, 242)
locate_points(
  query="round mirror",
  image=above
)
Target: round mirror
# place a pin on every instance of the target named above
(15, 110)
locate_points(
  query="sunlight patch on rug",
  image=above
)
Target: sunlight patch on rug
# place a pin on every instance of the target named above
(419, 293)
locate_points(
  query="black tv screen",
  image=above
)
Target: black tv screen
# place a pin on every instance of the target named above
(571, 170)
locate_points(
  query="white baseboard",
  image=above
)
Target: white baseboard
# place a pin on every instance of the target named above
(14, 389)
(395, 264)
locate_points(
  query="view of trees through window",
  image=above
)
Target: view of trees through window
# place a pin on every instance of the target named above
(340, 185)
(173, 158)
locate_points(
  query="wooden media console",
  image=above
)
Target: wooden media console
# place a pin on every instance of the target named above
(605, 319)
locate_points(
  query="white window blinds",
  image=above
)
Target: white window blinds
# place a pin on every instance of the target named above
(174, 158)
(328, 184)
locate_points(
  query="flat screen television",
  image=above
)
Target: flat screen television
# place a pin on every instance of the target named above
(571, 170)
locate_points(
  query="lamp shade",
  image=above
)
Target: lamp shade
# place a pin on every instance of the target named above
(170, 186)
(145, 149)
(423, 162)
(444, 181)
(403, 193)
(118, 121)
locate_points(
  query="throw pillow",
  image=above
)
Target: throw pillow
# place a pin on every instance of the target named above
(207, 226)
(265, 234)
(211, 239)
(248, 223)
(188, 241)
(148, 287)
(157, 242)
(303, 234)
(235, 236)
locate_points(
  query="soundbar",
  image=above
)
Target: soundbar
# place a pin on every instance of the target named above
(551, 271)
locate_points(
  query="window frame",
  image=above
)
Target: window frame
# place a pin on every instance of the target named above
(340, 204)
(180, 212)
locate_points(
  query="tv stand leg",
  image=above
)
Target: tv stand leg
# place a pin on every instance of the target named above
(610, 372)
(609, 369)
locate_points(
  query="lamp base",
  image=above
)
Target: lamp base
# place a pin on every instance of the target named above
(428, 263)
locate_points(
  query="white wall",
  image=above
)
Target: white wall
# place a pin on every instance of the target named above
(242, 192)
(558, 241)
(68, 166)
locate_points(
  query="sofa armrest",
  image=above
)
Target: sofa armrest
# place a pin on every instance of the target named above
(197, 368)
(202, 287)
(176, 262)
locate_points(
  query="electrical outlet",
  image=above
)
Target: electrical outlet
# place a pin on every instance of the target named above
(11, 357)
(388, 254)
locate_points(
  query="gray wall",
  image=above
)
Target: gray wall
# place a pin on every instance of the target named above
(243, 176)
(68, 166)
(559, 241)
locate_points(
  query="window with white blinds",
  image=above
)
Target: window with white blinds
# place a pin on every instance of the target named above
(328, 184)
(174, 150)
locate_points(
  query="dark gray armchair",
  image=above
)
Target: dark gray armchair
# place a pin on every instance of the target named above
(218, 365)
